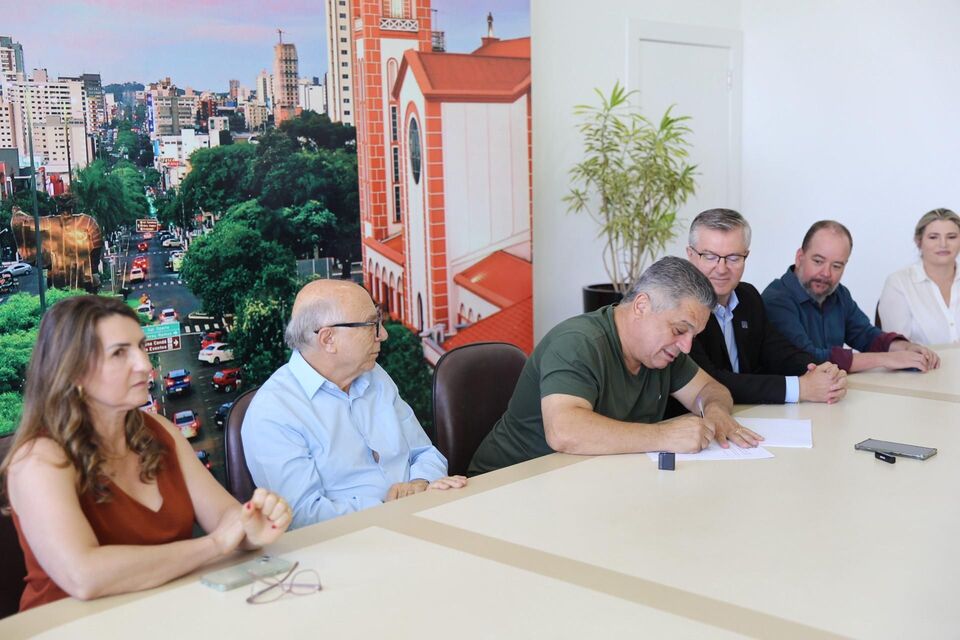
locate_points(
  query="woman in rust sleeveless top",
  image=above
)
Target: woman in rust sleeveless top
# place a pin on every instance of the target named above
(104, 497)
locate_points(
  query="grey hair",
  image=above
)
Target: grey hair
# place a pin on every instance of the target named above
(314, 313)
(668, 281)
(719, 220)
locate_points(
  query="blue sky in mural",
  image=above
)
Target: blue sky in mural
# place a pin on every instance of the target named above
(204, 43)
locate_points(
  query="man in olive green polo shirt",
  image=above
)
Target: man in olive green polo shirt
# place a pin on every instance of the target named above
(598, 383)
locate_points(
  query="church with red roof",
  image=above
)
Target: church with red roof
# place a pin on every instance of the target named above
(445, 173)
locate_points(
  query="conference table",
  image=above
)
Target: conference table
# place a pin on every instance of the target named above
(940, 384)
(818, 542)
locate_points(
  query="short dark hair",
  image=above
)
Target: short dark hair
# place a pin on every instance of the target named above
(669, 280)
(833, 225)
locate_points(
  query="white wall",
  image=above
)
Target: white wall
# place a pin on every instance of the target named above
(849, 112)
(575, 48)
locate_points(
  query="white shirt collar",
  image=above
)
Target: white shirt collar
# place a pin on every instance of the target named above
(731, 305)
(918, 274)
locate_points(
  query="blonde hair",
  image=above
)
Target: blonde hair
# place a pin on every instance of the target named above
(67, 349)
(933, 216)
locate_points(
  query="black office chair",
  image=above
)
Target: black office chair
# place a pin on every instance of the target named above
(12, 567)
(239, 482)
(472, 385)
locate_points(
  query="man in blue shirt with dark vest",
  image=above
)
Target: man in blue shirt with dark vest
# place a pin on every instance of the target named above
(328, 431)
(810, 307)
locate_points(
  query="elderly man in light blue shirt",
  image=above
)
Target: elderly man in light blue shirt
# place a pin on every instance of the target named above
(328, 431)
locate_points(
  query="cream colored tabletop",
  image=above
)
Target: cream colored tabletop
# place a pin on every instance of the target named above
(820, 542)
(383, 584)
(939, 384)
(828, 537)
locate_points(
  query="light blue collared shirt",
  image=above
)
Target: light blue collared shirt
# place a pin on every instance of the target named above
(312, 443)
(724, 316)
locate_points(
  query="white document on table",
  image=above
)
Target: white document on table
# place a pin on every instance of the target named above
(716, 452)
(779, 432)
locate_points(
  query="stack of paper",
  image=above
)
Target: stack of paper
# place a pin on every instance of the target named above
(781, 432)
(775, 432)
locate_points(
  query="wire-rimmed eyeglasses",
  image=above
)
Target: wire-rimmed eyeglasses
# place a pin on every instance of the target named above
(733, 259)
(353, 325)
(298, 583)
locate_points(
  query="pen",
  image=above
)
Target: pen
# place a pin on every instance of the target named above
(700, 406)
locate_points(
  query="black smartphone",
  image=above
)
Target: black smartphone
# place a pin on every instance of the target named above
(896, 449)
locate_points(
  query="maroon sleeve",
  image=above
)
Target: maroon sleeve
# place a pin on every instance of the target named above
(883, 341)
(841, 357)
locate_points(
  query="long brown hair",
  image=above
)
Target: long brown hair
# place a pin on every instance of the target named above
(67, 349)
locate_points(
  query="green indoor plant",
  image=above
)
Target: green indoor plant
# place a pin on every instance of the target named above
(632, 180)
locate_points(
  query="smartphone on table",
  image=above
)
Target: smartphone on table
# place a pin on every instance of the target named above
(896, 449)
(243, 574)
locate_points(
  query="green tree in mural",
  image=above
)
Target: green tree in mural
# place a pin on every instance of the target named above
(131, 181)
(311, 225)
(223, 267)
(11, 404)
(19, 321)
(216, 180)
(101, 195)
(257, 336)
(272, 148)
(314, 131)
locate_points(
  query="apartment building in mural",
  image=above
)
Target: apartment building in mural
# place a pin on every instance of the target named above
(444, 150)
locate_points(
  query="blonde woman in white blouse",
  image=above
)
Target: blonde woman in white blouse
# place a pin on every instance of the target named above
(922, 301)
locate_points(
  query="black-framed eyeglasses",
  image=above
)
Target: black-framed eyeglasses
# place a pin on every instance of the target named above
(732, 259)
(301, 583)
(353, 325)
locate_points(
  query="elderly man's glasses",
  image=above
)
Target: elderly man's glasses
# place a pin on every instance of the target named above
(353, 325)
(734, 259)
(301, 583)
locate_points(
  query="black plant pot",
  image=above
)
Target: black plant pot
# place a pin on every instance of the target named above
(599, 295)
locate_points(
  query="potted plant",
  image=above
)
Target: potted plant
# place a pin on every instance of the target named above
(633, 179)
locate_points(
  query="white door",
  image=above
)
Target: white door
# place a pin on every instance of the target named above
(697, 70)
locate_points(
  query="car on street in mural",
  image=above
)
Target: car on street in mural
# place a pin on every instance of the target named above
(137, 275)
(211, 337)
(151, 405)
(200, 316)
(177, 382)
(140, 262)
(204, 458)
(17, 269)
(227, 380)
(171, 242)
(188, 423)
(216, 353)
(8, 284)
(147, 310)
(220, 417)
(142, 246)
(169, 315)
